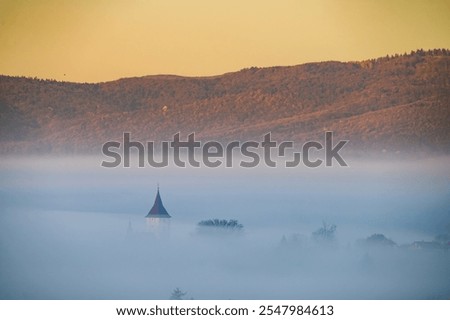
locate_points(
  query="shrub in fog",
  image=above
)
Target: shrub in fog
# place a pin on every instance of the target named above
(377, 239)
(325, 234)
(177, 294)
(294, 240)
(221, 226)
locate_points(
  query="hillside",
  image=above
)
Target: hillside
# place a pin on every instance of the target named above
(399, 103)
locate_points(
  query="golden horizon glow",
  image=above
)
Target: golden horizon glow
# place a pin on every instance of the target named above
(100, 40)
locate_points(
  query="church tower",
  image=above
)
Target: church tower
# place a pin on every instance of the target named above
(158, 219)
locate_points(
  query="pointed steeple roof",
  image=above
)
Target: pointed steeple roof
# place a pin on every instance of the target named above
(158, 210)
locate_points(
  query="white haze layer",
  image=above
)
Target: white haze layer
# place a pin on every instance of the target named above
(70, 229)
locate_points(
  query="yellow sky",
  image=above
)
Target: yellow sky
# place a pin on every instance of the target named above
(100, 40)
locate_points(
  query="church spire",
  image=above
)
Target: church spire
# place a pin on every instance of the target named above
(158, 210)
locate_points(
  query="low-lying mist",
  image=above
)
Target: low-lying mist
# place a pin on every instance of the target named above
(70, 229)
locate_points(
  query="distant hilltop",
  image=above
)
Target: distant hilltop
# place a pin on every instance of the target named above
(397, 103)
